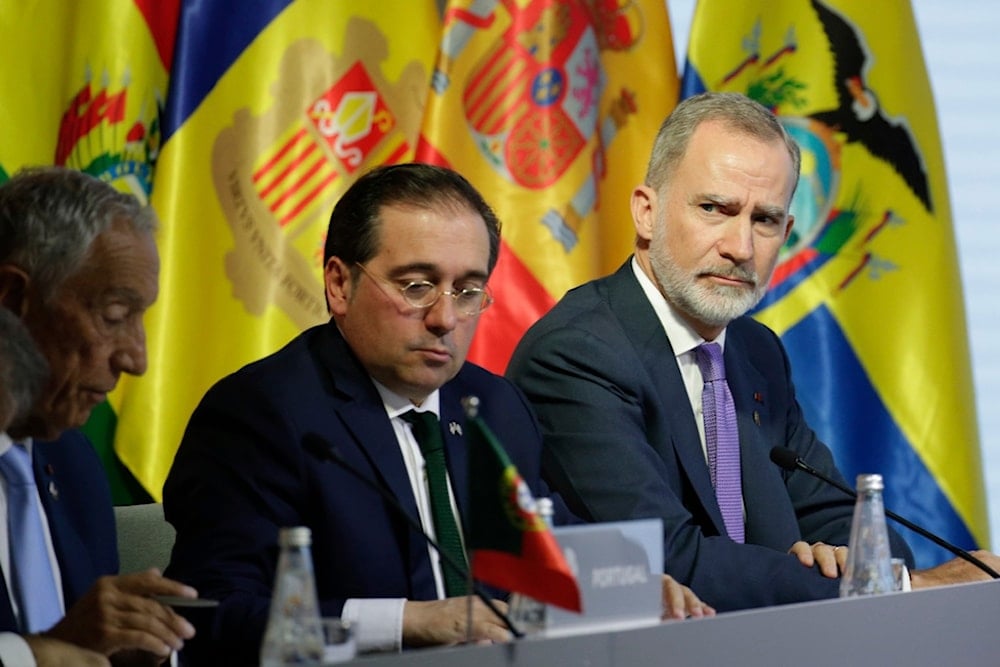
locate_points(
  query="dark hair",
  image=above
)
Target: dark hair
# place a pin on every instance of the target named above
(23, 369)
(733, 109)
(353, 234)
(50, 216)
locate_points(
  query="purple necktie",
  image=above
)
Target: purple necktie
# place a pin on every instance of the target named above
(722, 439)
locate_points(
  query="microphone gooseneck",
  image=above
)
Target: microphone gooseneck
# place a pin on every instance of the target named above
(788, 460)
(324, 451)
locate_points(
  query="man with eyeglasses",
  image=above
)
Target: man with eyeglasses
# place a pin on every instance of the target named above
(408, 254)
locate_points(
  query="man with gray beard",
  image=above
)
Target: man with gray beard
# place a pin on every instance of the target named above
(639, 377)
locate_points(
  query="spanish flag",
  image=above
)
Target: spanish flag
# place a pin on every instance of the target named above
(83, 86)
(867, 295)
(274, 108)
(546, 107)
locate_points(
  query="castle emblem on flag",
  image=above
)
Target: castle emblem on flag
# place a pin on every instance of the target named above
(532, 101)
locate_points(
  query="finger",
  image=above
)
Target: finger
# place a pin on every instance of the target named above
(803, 552)
(488, 625)
(841, 555)
(826, 559)
(142, 617)
(695, 607)
(674, 600)
(150, 582)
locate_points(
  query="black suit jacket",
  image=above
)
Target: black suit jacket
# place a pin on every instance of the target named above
(621, 442)
(77, 503)
(241, 473)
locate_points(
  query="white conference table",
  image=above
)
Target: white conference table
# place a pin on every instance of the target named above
(956, 625)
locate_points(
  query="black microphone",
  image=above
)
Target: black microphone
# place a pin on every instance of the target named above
(787, 459)
(324, 451)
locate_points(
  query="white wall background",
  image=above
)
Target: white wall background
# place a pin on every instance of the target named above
(960, 42)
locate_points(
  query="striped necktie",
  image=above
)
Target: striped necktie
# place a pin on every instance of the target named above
(722, 439)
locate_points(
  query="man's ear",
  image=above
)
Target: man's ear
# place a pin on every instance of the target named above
(643, 204)
(14, 284)
(338, 285)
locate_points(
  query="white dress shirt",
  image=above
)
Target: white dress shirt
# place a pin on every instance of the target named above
(378, 622)
(683, 340)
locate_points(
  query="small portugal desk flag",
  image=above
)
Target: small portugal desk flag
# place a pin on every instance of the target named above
(510, 545)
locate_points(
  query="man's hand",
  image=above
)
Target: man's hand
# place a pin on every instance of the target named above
(51, 652)
(955, 571)
(830, 559)
(117, 614)
(444, 622)
(680, 602)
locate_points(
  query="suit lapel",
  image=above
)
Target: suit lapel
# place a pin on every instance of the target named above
(761, 478)
(75, 567)
(456, 449)
(644, 329)
(359, 407)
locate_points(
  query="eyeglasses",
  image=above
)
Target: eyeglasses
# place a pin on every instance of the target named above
(423, 294)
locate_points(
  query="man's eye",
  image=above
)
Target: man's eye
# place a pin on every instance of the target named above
(418, 290)
(115, 314)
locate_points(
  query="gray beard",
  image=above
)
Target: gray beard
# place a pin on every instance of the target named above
(712, 305)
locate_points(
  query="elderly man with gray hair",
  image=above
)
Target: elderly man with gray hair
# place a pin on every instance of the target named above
(79, 268)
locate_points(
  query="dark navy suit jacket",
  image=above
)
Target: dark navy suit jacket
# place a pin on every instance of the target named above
(241, 473)
(621, 442)
(77, 503)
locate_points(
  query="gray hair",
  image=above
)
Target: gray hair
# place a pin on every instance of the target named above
(50, 216)
(733, 109)
(23, 369)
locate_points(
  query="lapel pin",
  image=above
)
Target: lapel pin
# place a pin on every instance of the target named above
(758, 397)
(49, 469)
(455, 428)
(756, 418)
(53, 491)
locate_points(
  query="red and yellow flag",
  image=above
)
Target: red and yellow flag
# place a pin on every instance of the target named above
(268, 120)
(549, 108)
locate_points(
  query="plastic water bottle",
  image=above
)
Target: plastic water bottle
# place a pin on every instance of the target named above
(528, 614)
(869, 566)
(294, 634)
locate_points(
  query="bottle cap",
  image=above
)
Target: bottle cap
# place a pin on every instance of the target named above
(870, 482)
(295, 536)
(545, 507)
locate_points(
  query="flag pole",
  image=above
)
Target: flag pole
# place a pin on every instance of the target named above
(470, 405)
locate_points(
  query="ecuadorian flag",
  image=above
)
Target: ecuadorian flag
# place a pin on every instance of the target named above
(544, 105)
(274, 108)
(866, 296)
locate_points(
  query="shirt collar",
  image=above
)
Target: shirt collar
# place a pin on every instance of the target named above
(395, 405)
(6, 442)
(682, 337)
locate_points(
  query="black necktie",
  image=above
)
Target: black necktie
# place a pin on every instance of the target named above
(427, 431)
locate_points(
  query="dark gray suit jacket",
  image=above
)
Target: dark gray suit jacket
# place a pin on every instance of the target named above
(621, 442)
